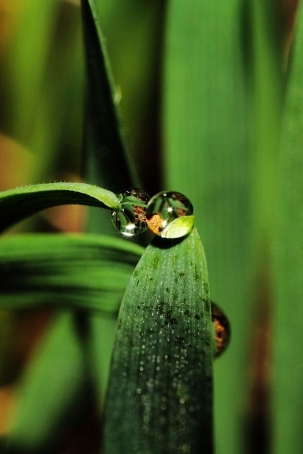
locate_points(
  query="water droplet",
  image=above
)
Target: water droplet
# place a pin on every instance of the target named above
(222, 329)
(164, 208)
(131, 219)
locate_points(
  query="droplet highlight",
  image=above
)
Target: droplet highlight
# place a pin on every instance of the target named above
(164, 208)
(131, 219)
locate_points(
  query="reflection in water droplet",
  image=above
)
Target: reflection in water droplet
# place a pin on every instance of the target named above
(164, 208)
(222, 329)
(131, 219)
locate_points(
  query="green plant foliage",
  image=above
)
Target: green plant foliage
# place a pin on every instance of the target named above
(221, 122)
(179, 227)
(105, 145)
(134, 37)
(42, 89)
(17, 204)
(288, 316)
(26, 89)
(207, 158)
(53, 391)
(48, 270)
(232, 142)
(160, 389)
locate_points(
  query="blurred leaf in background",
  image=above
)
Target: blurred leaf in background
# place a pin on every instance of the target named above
(41, 94)
(134, 37)
(207, 156)
(287, 397)
(41, 87)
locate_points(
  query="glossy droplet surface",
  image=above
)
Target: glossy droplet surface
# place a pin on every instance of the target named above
(131, 219)
(222, 329)
(164, 208)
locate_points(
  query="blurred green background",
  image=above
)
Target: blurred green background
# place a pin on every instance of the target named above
(211, 97)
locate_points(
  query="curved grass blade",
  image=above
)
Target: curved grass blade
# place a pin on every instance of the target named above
(65, 366)
(65, 272)
(160, 389)
(17, 204)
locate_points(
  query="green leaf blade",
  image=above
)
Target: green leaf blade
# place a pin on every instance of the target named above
(52, 387)
(288, 313)
(160, 390)
(17, 204)
(106, 148)
(65, 272)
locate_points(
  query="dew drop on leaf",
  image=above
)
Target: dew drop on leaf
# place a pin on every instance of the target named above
(222, 329)
(164, 208)
(131, 219)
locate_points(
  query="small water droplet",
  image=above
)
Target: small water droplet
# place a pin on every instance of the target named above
(164, 208)
(222, 329)
(131, 219)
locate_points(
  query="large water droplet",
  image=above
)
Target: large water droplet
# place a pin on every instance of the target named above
(131, 219)
(164, 208)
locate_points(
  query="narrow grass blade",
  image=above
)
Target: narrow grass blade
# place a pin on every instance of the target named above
(42, 86)
(287, 328)
(17, 204)
(53, 394)
(26, 64)
(208, 158)
(106, 153)
(65, 272)
(222, 107)
(105, 144)
(134, 40)
(77, 272)
(160, 390)
(265, 58)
